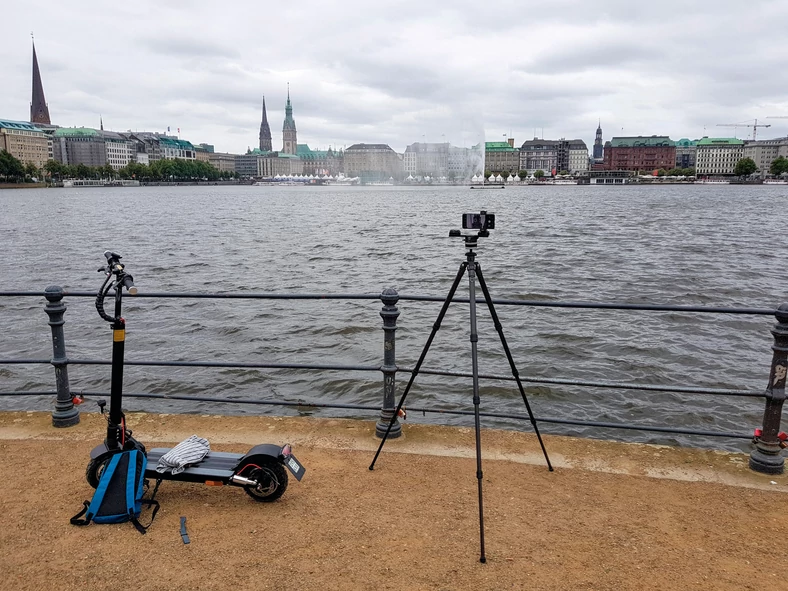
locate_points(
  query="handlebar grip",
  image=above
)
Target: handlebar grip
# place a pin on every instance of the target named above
(128, 283)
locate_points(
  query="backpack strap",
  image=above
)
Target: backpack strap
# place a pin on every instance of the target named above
(151, 503)
(76, 519)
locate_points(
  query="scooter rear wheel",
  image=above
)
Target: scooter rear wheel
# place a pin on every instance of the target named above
(271, 478)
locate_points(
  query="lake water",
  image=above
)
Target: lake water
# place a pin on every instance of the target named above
(680, 245)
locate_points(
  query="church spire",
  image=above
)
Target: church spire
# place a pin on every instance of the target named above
(39, 111)
(265, 132)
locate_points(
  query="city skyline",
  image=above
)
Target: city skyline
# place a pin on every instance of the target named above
(390, 74)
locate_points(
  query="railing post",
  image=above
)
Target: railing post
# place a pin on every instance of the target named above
(65, 413)
(389, 313)
(766, 456)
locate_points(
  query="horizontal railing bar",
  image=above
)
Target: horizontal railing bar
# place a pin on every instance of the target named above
(553, 381)
(412, 409)
(611, 385)
(424, 298)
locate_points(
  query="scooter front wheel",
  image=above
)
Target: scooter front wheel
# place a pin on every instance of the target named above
(94, 470)
(271, 478)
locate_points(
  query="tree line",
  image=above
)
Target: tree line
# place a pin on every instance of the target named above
(13, 171)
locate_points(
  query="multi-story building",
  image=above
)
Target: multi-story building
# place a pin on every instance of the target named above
(718, 156)
(25, 142)
(79, 145)
(465, 163)
(319, 162)
(259, 164)
(501, 157)
(176, 148)
(685, 153)
(764, 152)
(572, 156)
(373, 162)
(146, 147)
(541, 155)
(120, 151)
(424, 159)
(222, 161)
(641, 153)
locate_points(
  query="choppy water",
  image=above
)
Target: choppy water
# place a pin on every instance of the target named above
(704, 245)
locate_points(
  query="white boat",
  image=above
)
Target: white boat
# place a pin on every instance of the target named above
(775, 182)
(99, 183)
(712, 182)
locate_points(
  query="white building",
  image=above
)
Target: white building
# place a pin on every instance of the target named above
(120, 151)
(764, 152)
(717, 156)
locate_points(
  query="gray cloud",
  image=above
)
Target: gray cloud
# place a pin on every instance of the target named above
(399, 72)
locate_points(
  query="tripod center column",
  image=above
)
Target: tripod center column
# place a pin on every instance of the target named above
(389, 313)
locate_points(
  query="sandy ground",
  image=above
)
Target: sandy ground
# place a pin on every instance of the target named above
(611, 516)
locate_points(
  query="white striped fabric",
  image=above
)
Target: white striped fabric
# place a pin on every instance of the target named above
(188, 451)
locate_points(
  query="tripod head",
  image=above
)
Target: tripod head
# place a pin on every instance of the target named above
(483, 222)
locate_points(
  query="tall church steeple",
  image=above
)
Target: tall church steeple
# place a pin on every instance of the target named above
(39, 111)
(598, 146)
(289, 135)
(265, 132)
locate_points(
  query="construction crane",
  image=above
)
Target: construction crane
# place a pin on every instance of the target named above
(751, 123)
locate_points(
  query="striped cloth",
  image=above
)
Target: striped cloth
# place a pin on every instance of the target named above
(188, 451)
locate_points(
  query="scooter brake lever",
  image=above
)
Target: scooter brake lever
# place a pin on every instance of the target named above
(101, 404)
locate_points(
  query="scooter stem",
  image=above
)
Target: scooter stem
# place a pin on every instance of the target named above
(114, 425)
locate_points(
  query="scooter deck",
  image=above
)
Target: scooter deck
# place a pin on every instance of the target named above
(216, 465)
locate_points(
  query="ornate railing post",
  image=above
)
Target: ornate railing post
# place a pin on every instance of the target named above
(766, 456)
(65, 413)
(389, 313)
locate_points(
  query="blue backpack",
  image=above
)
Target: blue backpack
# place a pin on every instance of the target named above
(119, 494)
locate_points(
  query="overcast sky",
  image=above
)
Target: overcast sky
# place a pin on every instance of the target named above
(400, 72)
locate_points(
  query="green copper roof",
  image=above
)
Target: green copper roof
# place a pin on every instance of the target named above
(498, 147)
(76, 132)
(654, 141)
(258, 152)
(686, 142)
(175, 143)
(720, 141)
(21, 125)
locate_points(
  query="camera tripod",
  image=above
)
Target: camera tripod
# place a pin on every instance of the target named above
(474, 270)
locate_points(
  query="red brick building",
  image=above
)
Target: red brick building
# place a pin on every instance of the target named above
(640, 154)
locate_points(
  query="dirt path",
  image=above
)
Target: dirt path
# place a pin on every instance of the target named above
(611, 516)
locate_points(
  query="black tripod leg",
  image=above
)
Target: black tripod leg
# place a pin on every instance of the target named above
(476, 400)
(515, 373)
(435, 328)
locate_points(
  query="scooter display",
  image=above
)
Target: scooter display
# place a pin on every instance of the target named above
(262, 471)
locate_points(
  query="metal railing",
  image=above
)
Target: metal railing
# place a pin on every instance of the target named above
(768, 441)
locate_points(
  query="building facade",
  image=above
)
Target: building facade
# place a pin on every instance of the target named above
(79, 145)
(686, 150)
(320, 162)
(572, 156)
(718, 156)
(423, 159)
(501, 157)
(120, 151)
(373, 163)
(222, 161)
(25, 142)
(640, 154)
(764, 152)
(176, 148)
(539, 154)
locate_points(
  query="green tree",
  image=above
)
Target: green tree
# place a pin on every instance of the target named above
(539, 174)
(32, 171)
(11, 169)
(779, 166)
(522, 174)
(745, 167)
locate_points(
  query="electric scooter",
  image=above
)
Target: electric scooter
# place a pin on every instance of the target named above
(262, 471)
